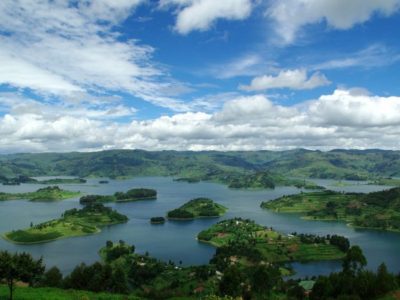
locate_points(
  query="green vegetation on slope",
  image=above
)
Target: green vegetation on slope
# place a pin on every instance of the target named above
(73, 222)
(245, 241)
(47, 194)
(377, 210)
(130, 195)
(197, 208)
(44, 293)
(26, 179)
(225, 167)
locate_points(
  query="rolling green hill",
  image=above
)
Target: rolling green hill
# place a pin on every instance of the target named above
(237, 169)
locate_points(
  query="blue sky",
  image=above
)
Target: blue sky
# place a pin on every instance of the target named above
(89, 75)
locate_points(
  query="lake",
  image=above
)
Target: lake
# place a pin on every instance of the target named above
(176, 240)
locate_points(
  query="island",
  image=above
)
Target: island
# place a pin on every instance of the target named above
(197, 208)
(26, 179)
(187, 179)
(157, 220)
(47, 194)
(131, 195)
(376, 210)
(244, 241)
(72, 223)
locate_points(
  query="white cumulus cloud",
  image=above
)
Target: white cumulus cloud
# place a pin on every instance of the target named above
(202, 14)
(291, 15)
(296, 79)
(344, 119)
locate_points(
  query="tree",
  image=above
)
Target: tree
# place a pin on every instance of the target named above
(52, 278)
(354, 260)
(231, 282)
(19, 267)
(119, 281)
(385, 282)
(265, 279)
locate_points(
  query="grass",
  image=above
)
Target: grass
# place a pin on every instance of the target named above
(47, 194)
(28, 293)
(377, 210)
(73, 223)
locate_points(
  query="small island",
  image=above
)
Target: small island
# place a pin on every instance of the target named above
(197, 208)
(47, 194)
(157, 220)
(248, 243)
(131, 195)
(187, 179)
(72, 223)
(376, 210)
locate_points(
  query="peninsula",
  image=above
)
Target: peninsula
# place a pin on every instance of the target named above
(376, 210)
(247, 242)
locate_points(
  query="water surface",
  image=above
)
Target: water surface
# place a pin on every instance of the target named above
(176, 240)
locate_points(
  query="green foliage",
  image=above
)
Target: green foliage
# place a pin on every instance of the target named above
(199, 207)
(74, 222)
(136, 194)
(47, 194)
(379, 210)
(157, 220)
(19, 267)
(354, 282)
(245, 242)
(52, 278)
(130, 195)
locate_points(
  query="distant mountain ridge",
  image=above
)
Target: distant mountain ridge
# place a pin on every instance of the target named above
(207, 165)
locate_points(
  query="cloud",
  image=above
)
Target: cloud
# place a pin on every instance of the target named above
(293, 79)
(246, 65)
(200, 15)
(75, 49)
(374, 55)
(290, 16)
(343, 119)
(353, 109)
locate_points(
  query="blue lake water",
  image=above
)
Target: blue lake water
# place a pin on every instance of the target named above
(176, 240)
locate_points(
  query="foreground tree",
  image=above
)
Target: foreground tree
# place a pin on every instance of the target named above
(19, 267)
(52, 278)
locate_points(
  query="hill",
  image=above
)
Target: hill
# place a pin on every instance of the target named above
(270, 168)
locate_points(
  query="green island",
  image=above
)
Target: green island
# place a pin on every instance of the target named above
(376, 210)
(26, 179)
(197, 208)
(131, 195)
(47, 194)
(157, 220)
(386, 181)
(72, 223)
(249, 243)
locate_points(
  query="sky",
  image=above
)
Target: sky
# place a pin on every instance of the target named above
(90, 75)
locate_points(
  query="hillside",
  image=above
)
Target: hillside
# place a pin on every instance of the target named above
(270, 168)
(377, 210)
